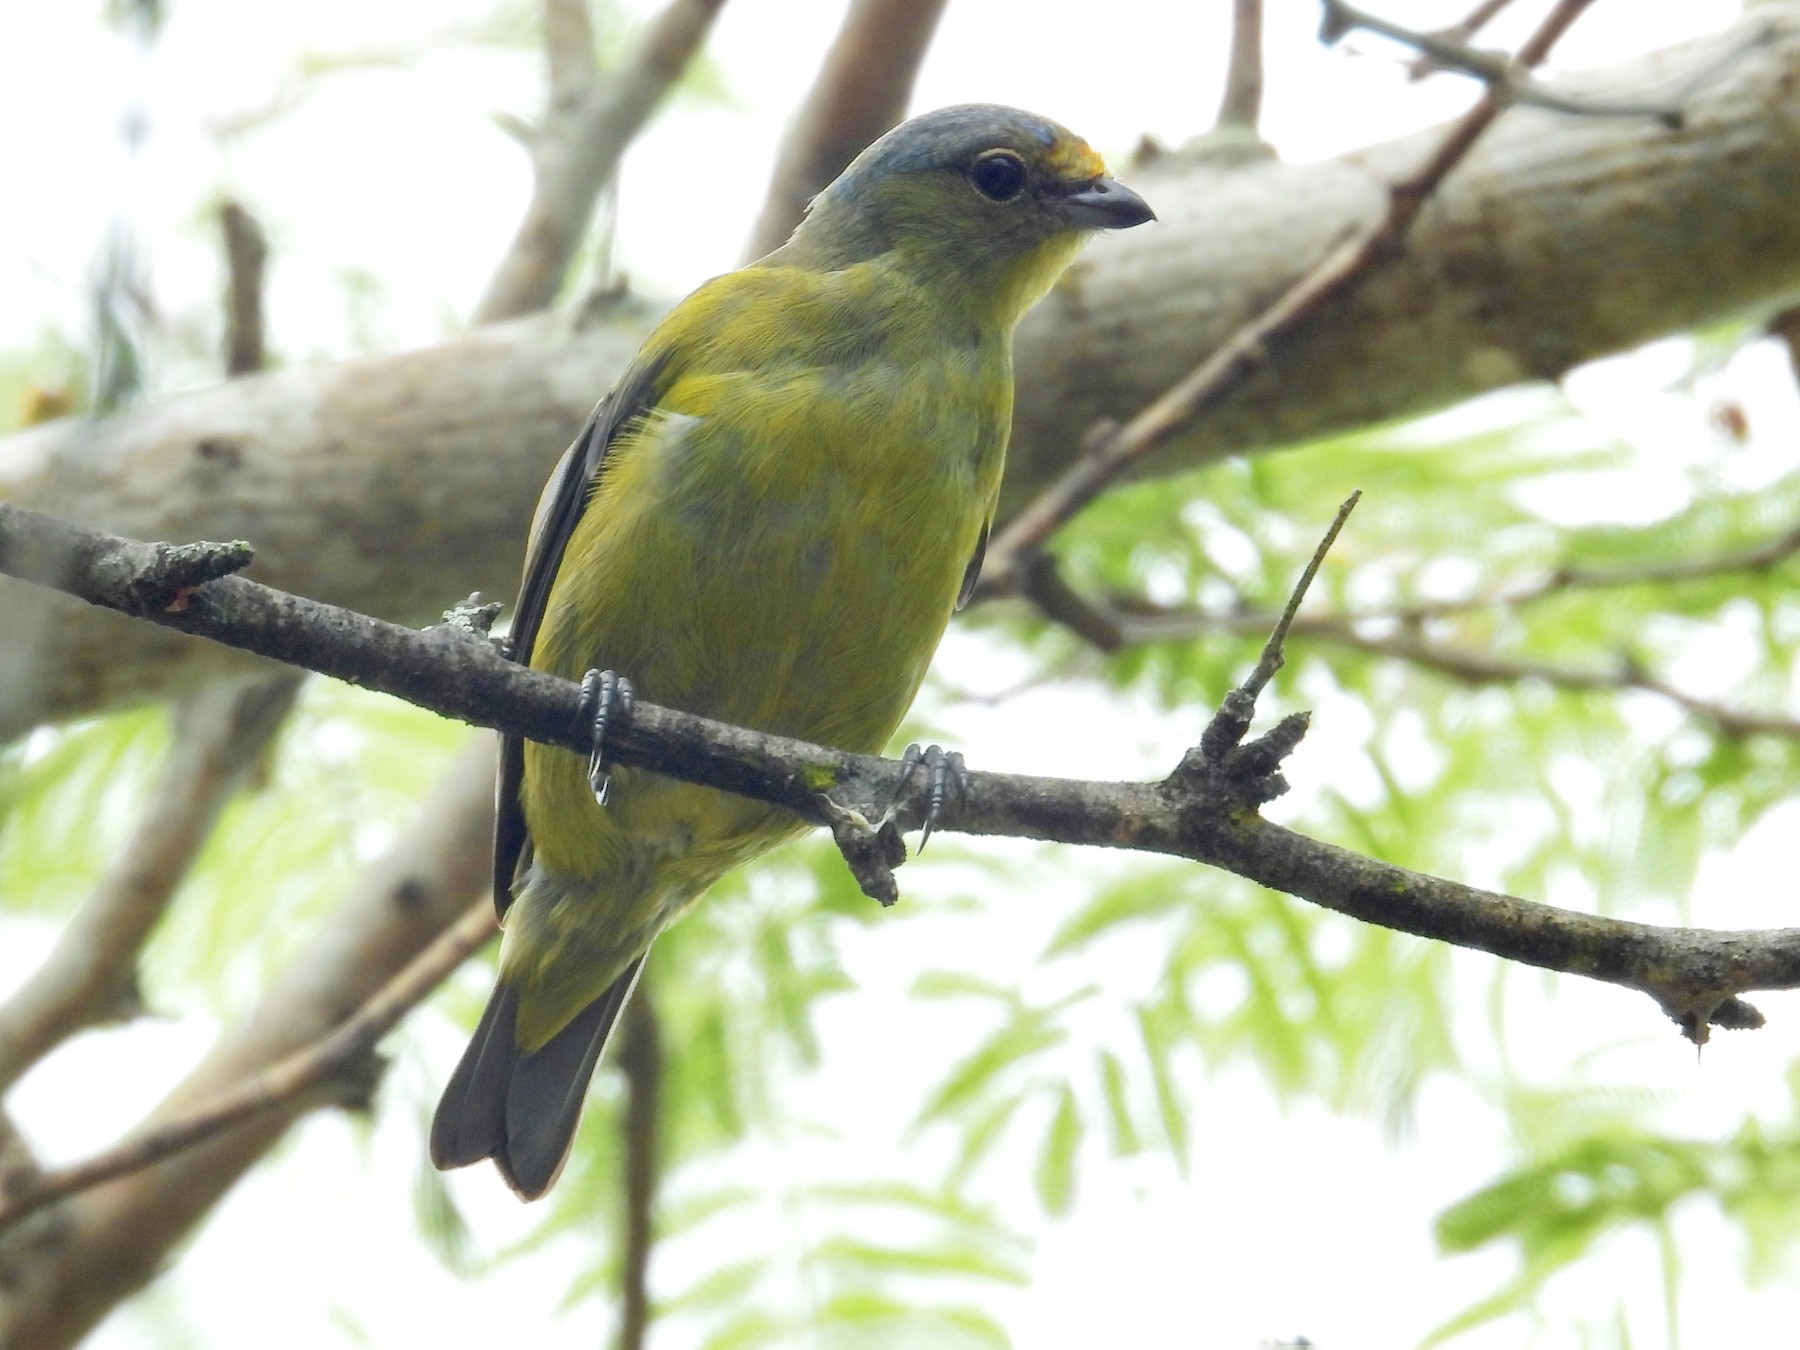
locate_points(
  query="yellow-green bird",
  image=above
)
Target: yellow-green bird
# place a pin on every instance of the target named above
(768, 521)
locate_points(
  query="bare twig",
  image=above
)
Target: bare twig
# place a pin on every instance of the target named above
(1241, 105)
(341, 1055)
(1272, 658)
(1247, 350)
(861, 90)
(1221, 742)
(640, 1061)
(1447, 51)
(575, 152)
(1462, 30)
(90, 978)
(1203, 812)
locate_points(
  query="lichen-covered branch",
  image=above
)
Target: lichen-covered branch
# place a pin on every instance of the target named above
(1201, 812)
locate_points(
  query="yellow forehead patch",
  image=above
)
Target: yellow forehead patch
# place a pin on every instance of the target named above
(1073, 159)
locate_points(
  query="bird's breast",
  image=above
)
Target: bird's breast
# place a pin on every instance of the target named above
(804, 538)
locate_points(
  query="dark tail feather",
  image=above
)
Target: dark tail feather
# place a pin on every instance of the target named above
(521, 1110)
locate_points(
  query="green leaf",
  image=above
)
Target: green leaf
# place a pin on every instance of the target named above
(1122, 1130)
(726, 1287)
(1055, 1173)
(1154, 1035)
(1145, 896)
(865, 1259)
(979, 1072)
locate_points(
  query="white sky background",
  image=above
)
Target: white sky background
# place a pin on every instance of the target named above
(1292, 1221)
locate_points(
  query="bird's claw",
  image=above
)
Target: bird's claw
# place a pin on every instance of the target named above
(606, 699)
(943, 768)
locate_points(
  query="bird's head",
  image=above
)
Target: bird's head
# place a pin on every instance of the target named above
(990, 201)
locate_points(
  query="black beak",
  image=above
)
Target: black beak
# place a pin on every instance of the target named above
(1105, 205)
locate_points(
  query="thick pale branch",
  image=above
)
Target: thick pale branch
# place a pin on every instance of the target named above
(386, 484)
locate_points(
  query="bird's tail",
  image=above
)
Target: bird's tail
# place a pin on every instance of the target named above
(521, 1109)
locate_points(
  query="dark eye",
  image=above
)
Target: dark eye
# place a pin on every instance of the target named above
(998, 175)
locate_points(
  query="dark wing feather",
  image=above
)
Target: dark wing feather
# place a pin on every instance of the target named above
(564, 501)
(972, 573)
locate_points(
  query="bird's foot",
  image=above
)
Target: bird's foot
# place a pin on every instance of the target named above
(943, 770)
(606, 699)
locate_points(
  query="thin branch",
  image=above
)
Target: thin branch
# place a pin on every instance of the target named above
(1762, 557)
(1203, 812)
(1241, 106)
(89, 980)
(341, 1056)
(1461, 31)
(1472, 667)
(1462, 664)
(1229, 724)
(861, 90)
(1112, 455)
(640, 1062)
(1272, 659)
(1044, 585)
(586, 128)
(1446, 50)
(1111, 628)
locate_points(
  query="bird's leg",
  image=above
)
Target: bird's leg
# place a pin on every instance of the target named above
(606, 699)
(943, 769)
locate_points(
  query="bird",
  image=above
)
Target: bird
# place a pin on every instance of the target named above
(768, 521)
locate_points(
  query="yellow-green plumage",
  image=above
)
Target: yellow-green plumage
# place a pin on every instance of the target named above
(776, 537)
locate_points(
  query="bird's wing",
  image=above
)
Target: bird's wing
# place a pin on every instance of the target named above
(972, 573)
(565, 499)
